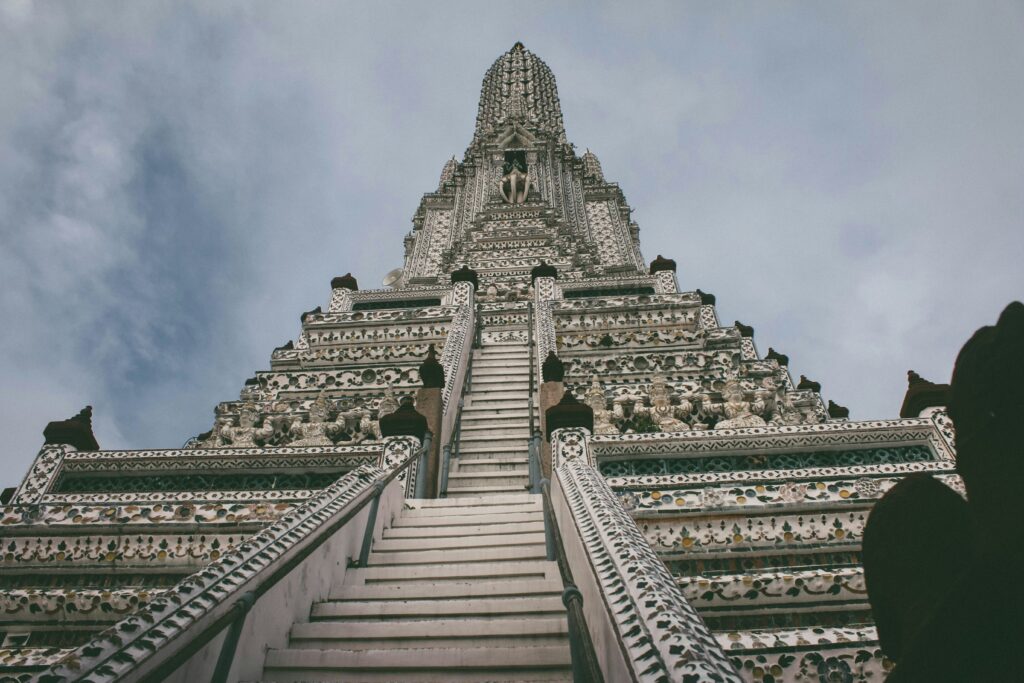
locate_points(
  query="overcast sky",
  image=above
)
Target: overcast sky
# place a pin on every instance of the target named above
(179, 181)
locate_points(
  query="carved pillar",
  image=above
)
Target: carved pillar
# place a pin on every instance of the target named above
(429, 403)
(551, 389)
(341, 293)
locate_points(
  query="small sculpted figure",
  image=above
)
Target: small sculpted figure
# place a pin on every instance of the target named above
(603, 417)
(314, 432)
(246, 434)
(662, 411)
(388, 404)
(738, 411)
(515, 183)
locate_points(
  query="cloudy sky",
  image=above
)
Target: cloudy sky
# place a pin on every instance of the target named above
(179, 181)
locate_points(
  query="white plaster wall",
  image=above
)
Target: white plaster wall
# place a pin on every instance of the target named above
(603, 633)
(270, 620)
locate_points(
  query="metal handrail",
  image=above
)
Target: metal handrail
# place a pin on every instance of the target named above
(454, 441)
(533, 370)
(585, 666)
(246, 601)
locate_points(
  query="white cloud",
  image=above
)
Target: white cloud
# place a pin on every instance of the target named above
(179, 181)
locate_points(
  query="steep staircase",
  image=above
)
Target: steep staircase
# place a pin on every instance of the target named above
(494, 443)
(458, 589)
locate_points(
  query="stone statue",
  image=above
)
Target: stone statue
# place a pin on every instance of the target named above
(388, 404)
(314, 432)
(661, 411)
(602, 416)
(515, 182)
(368, 427)
(738, 411)
(246, 433)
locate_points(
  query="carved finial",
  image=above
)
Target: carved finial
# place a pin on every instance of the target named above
(405, 421)
(553, 369)
(780, 358)
(431, 372)
(837, 412)
(592, 166)
(745, 330)
(568, 413)
(808, 385)
(706, 299)
(543, 270)
(448, 172)
(466, 274)
(662, 263)
(315, 311)
(345, 281)
(75, 431)
(922, 394)
(518, 47)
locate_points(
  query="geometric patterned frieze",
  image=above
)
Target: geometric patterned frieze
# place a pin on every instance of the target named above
(692, 464)
(663, 497)
(54, 519)
(784, 530)
(761, 440)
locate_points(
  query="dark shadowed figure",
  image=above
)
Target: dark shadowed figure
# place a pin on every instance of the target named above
(974, 628)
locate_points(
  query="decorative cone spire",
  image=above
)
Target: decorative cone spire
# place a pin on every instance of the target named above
(405, 421)
(345, 281)
(519, 86)
(568, 413)
(431, 372)
(922, 394)
(553, 369)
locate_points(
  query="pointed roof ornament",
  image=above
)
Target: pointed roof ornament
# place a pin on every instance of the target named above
(592, 167)
(519, 84)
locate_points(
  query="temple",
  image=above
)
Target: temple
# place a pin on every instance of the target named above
(533, 455)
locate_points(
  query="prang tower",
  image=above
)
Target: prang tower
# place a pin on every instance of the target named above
(533, 456)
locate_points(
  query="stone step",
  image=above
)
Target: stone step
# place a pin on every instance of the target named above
(535, 551)
(476, 396)
(519, 570)
(455, 492)
(487, 483)
(496, 422)
(517, 499)
(506, 663)
(500, 384)
(464, 529)
(470, 511)
(384, 609)
(509, 401)
(503, 441)
(497, 432)
(355, 633)
(482, 478)
(501, 367)
(455, 522)
(490, 464)
(471, 414)
(503, 539)
(490, 454)
(449, 589)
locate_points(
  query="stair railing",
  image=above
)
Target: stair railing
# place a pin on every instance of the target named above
(585, 665)
(451, 449)
(530, 344)
(220, 596)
